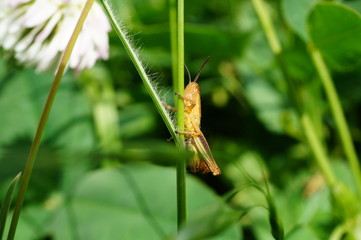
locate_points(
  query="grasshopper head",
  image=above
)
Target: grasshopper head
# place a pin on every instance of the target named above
(192, 87)
(192, 92)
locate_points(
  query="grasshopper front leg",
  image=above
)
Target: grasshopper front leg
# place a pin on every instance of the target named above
(192, 134)
(169, 107)
(189, 103)
(184, 98)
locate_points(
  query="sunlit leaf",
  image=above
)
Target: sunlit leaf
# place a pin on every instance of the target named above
(209, 223)
(133, 202)
(336, 31)
(296, 13)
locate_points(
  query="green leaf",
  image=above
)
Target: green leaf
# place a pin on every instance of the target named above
(136, 201)
(136, 120)
(270, 104)
(353, 4)
(336, 31)
(296, 13)
(22, 98)
(6, 204)
(34, 221)
(16, 102)
(159, 152)
(209, 222)
(302, 233)
(345, 202)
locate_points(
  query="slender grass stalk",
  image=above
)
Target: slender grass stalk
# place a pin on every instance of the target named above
(141, 70)
(309, 129)
(173, 42)
(276, 48)
(317, 149)
(43, 119)
(338, 114)
(277, 229)
(267, 26)
(181, 165)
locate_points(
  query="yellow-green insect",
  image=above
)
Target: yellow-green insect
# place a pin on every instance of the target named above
(203, 160)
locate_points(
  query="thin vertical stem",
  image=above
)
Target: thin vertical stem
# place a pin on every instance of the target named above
(44, 117)
(132, 53)
(317, 149)
(179, 83)
(173, 41)
(267, 26)
(339, 116)
(309, 129)
(181, 165)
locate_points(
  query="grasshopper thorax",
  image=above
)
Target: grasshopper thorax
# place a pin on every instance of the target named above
(192, 87)
(192, 93)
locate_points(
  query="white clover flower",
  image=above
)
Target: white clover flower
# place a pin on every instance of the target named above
(37, 32)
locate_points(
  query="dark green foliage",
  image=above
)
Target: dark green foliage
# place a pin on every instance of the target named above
(92, 182)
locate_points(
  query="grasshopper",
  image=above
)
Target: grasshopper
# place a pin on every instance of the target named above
(203, 160)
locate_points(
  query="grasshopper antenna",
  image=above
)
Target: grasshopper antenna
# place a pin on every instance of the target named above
(200, 70)
(189, 74)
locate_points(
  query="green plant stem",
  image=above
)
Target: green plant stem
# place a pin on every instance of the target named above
(173, 42)
(267, 26)
(44, 117)
(179, 139)
(308, 127)
(338, 114)
(276, 48)
(141, 70)
(181, 165)
(317, 149)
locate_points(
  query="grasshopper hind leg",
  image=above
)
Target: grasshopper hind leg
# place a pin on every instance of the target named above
(196, 164)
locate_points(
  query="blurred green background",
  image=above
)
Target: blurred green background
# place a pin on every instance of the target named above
(105, 169)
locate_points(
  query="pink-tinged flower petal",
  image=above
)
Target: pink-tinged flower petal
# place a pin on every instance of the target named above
(11, 40)
(75, 55)
(103, 52)
(3, 30)
(49, 27)
(86, 44)
(39, 12)
(88, 61)
(15, 3)
(3, 6)
(48, 58)
(39, 30)
(99, 19)
(47, 63)
(30, 54)
(65, 30)
(96, 21)
(10, 23)
(27, 40)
